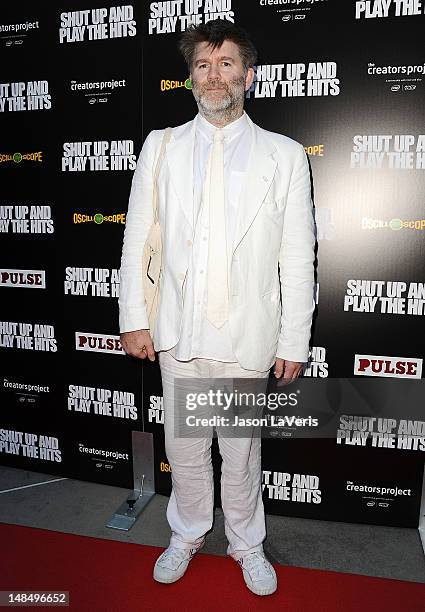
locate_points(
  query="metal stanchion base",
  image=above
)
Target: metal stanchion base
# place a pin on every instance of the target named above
(144, 483)
(422, 536)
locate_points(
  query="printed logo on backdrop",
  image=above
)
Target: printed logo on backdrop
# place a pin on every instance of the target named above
(316, 366)
(25, 96)
(165, 467)
(294, 11)
(98, 343)
(394, 224)
(29, 279)
(398, 78)
(104, 402)
(393, 151)
(156, 409)
(99, 218)
(18, 157)
(177, 15)
(95, 92)
(103, 458)
(28, 336)
(21, 219)
(167, 85)
(25, 392)
(376, 9)
(33, 446)
(385, 297)
(97, 24)
(316, 150)
(385, 366)
(282, 486)
(98, 155)
(382, 496)
(378, 432)
(295, 80)
(18, 32)
(94, 282)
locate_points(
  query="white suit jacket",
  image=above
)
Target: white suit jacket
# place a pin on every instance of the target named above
(271, 270)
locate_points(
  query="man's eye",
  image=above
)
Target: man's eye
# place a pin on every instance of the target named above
(226, 63)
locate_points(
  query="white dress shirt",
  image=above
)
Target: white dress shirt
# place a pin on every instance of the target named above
(199, 338)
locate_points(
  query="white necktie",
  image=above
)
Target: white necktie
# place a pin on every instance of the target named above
(218, 294)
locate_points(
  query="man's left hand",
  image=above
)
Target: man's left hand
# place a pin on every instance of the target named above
(289, 369)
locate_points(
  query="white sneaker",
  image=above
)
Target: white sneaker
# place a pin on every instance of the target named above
(259, 574)
(172, 564)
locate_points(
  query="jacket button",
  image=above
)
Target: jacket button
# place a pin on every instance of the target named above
(189, 243)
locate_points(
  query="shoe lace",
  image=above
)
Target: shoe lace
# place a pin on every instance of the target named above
(257, 565)
(172, 557)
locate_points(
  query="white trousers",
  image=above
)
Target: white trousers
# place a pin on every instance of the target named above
(190, 510)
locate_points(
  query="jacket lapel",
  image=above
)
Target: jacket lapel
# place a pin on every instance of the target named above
(258, 178)
(259, 175)
(179, 155)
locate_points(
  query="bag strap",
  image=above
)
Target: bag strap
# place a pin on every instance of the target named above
(166, 138)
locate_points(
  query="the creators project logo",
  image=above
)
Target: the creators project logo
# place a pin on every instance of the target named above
(383, 491)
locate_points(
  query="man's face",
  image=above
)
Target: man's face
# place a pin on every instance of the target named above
(218, 78)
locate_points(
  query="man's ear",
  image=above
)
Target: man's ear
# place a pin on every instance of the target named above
(249, 78)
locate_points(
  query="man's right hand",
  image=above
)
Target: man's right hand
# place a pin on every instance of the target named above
(138, 344)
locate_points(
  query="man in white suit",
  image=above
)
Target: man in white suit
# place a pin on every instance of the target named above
(236, 290)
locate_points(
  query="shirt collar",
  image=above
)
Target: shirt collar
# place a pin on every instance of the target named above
(230, 130)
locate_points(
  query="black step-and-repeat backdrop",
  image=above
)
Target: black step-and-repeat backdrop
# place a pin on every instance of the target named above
(81, 85)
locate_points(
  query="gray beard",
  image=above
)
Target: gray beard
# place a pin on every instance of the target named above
(225, 109)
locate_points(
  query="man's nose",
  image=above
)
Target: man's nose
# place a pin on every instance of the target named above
(214, 71)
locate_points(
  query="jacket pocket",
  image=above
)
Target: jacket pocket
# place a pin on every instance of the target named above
(273, 209)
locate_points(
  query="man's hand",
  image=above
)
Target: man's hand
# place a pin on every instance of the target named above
(138, 344)
(289, 369)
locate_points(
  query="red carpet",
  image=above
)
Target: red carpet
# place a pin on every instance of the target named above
(107, 576)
